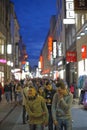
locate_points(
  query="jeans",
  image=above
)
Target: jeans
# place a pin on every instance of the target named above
(50, 123)
(64, 124)
(24, 114)
(36, 127)
(8, 96)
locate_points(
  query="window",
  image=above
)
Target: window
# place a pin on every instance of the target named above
(1, 46)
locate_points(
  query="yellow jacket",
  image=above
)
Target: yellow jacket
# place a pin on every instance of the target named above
(37, 110)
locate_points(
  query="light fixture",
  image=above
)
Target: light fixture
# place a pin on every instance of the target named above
(82, 33)
(11, 64)
(78, 37)
(85, 28)
(8, 63)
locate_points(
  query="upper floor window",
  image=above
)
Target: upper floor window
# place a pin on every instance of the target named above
(1, 46)
(83, 19)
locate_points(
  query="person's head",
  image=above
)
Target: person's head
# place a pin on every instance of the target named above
(61, 87)
(32, 92)
(48, 86)
(30, 83)
(40, 90)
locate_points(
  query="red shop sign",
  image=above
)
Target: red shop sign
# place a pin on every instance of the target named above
(83, 51)
(71, 56)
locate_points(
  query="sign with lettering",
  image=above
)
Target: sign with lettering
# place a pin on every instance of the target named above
(50, 44)
(83, 50)
(70, 15)
(71, 56)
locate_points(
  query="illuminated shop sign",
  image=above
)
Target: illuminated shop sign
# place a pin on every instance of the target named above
(83, 51)
(50, 42)
(70, 16)
(46, 71)
(3, 61)
(41, 62)
(26, 67)
(39, 65)
(60, 49)
(71, 56)
(54, 49)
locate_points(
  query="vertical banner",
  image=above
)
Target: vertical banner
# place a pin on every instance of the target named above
(50, 42)
(54, 52)
(41, 62)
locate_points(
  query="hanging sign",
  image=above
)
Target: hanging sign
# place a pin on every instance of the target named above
(71, 56)
(83, 51)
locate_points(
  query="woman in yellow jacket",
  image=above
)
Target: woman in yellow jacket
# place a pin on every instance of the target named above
(37, 110)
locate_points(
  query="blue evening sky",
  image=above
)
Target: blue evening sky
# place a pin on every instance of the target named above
(34, 19)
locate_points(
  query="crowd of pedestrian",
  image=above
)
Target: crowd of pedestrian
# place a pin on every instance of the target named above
(45, 102)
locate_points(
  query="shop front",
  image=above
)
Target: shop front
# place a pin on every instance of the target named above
(82, 61)
(61, 69)
(2, 75)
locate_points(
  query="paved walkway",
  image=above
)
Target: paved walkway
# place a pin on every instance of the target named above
(5, 108)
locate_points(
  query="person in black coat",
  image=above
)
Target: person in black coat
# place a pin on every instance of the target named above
(49, 93)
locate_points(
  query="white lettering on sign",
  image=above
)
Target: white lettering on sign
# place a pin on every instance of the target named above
(70, 15)
(69, 10)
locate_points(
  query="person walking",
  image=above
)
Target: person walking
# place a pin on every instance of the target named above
(49, 93)
(61, 107)
(72, 89)
(7, 91)
(36, 109)
(18, 91)
(25, 95)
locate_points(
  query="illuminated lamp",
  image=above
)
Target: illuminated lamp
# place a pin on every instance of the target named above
(82, 33)
(85, 28)
(11, 64)
(78, 37)
(8, 63)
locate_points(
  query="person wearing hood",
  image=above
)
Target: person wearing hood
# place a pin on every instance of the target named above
(61, 107)
(36, 109)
